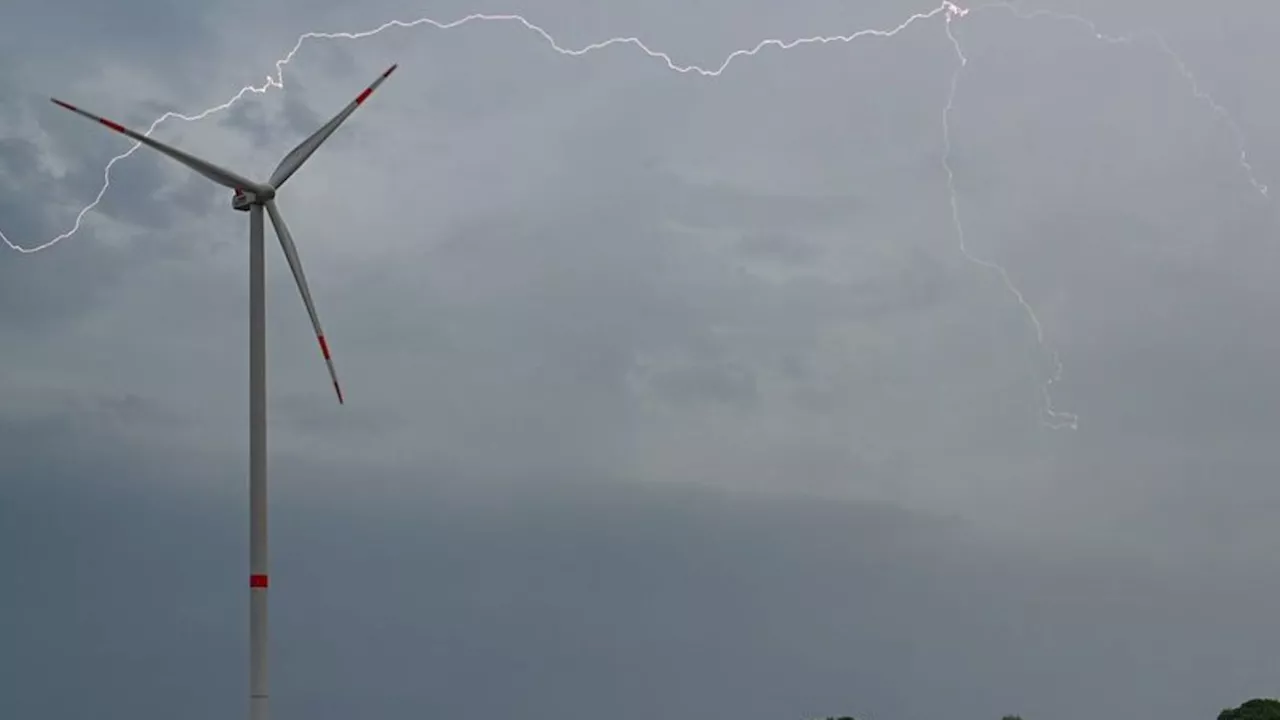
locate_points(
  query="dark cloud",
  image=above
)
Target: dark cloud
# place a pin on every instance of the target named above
(35, 292)
(251, 120)
(549, 596)
(704, 381)
(299, 118)
(18, 159)
(778, 245)
(68, 279)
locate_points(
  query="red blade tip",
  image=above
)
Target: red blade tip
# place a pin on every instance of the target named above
(390, 70)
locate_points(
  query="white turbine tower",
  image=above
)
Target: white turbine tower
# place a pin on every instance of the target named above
(253, 197)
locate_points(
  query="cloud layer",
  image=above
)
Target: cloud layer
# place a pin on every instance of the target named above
(598, 280)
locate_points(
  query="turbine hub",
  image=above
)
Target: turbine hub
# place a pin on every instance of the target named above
(244, 199)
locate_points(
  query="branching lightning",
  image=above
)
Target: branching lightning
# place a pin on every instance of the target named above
(1054, 419)
(948, 11)
(1051, 417)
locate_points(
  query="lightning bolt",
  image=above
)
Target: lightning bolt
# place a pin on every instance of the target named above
(948, 10)
(1049, 416)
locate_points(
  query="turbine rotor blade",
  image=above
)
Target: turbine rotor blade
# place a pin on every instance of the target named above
(219, 175)
(297, 156)
(295, 265)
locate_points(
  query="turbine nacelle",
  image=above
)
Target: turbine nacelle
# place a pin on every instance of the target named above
(243, 199)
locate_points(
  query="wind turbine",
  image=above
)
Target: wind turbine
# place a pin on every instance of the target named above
(253, 197)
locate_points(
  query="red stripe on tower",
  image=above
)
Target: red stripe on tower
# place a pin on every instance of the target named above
(257, 581)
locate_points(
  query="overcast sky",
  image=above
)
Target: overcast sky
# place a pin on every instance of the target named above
(667, 395)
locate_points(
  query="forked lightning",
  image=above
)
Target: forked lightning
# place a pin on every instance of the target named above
(947, 10)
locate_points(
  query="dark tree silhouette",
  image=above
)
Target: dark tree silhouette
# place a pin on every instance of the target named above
(1256, 709)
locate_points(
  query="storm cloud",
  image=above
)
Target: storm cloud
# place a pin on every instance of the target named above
(668, 395)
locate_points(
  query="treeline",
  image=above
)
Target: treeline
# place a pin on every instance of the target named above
(1256, 709)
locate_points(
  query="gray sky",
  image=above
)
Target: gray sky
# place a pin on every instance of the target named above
(667, 393)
